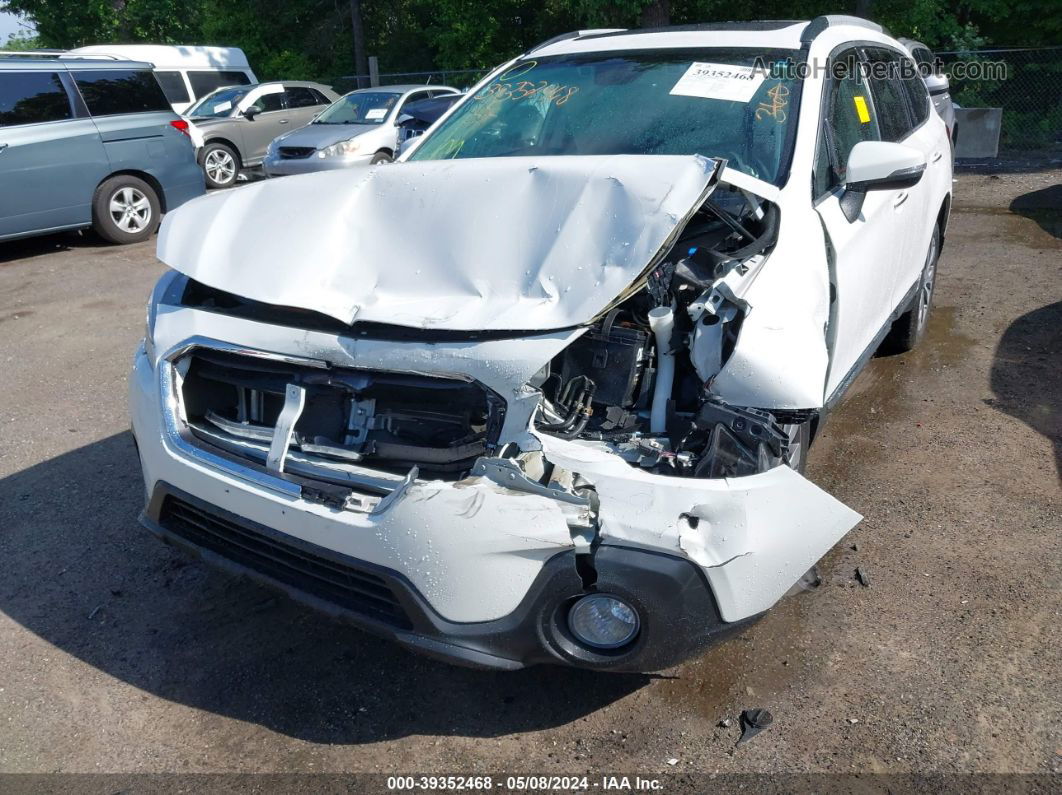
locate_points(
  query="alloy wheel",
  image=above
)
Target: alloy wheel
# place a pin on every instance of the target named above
(130, 210)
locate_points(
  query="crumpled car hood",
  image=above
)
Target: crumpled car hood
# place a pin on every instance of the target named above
(490, 244)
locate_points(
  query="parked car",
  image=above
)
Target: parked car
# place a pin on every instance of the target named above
(360, 127)
(89, 143)
(185, 72)
(418, 116)
(238, 123)
(543, 390)
(937, 83)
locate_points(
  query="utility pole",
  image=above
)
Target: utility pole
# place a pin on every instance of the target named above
(361, 60)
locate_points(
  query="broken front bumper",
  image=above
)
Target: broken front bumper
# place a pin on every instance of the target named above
(482, 570)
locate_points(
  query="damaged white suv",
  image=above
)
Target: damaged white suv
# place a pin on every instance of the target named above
(543, 391)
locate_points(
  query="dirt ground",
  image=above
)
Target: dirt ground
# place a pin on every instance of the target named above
(116, 654)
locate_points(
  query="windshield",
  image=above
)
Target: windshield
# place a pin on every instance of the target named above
(361, 107)
(218, 104)
(708, 101)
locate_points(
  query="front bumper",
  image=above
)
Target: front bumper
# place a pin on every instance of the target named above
(482, 570)
(679, 614)
(275, 166)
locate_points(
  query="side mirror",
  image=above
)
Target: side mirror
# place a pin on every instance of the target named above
(937, 83)
(879, 165)
(250, 113)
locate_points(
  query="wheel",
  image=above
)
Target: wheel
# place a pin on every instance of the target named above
(221, 165)
(125, 210)
(909, 328)
(381, 157)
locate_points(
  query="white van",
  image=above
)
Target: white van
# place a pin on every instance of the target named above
(185, 72)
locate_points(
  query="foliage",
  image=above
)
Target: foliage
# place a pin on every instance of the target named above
(312, 38)
(21, 40)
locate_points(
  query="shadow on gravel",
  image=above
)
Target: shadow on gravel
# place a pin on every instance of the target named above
(1043, 206)
(77, 570)
(1026, 373)
(27, 247)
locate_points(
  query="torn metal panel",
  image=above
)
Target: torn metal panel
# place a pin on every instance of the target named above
(780, 359)
(753, 536)
(539, 243)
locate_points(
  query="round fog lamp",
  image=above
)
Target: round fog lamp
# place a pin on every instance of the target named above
(603, 622)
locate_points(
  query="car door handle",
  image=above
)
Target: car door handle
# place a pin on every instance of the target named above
(284, 121)
(937, 156)
(900, 199)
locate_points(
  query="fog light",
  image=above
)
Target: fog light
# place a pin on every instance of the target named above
(603, 622)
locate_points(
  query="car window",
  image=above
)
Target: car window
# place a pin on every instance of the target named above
(300, 97)
(359, 107)
(848, 118)
(218, 104)
(924, 58)
(203, 82)
(917, 94)
(173, 87)
(109, 92)
(416, 96)
(32, 97)
(320, 98)
(709, 101)
(267, 103)
(890, 96)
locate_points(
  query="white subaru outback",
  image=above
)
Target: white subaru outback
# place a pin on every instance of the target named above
(542, 391)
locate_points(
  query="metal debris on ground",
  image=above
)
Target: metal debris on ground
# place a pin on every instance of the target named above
(753, 721)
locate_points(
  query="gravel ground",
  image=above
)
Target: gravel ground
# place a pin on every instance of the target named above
(117, 654)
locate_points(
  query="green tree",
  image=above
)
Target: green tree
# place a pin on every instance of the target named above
(73, 23)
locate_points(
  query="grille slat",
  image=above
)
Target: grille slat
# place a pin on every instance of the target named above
(296, 152)
(357, 590)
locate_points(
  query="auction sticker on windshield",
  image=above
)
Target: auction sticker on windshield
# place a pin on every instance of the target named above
(376, 113)
(718, 81)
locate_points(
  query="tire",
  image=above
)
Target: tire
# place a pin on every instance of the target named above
(125, 209)
(909, 328)
(381, 157)
(221, 165)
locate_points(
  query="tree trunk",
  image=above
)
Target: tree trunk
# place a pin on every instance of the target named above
(361, 58)
(655, 15)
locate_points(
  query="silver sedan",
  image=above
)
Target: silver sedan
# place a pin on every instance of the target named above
(361, 127)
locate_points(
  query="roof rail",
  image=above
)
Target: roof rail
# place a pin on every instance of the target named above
(574, 34)
(819, 24)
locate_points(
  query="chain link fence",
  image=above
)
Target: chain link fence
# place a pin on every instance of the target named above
(1025, 83)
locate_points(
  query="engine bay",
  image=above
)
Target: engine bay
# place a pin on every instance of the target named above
(640, 379)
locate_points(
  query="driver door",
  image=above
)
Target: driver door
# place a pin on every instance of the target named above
(270, 121)
(863, 251)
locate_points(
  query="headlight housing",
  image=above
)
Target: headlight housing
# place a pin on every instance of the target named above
(341, 149)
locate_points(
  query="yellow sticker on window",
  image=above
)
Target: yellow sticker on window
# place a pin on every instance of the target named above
(861, 109)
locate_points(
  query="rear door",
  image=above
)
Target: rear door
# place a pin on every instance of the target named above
(902, 104)
(303, 104)
(863, 251)
(133, 117)
(51, 157)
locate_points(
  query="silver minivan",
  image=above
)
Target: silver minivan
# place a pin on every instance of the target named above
(89, 143)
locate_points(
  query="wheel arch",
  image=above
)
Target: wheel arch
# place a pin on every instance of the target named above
(221, 140)
(143, 175)
(943, 214)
